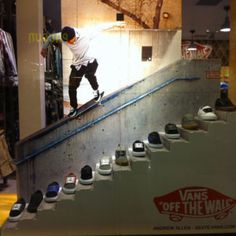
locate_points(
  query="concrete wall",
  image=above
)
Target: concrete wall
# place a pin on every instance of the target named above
(82, 13)
(119, 54)
(191, 180)
(134, 122)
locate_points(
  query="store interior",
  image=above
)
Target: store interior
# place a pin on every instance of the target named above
(157, 81)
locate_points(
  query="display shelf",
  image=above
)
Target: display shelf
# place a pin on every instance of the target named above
(208, 125)
(171, 144)
(226, 116)
(122, 203)
(191, 135)
(139, 164)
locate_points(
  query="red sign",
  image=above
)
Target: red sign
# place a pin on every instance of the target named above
(213, 74)
(194, 202)
(202, 51)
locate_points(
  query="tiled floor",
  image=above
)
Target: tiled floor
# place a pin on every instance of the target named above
(7, 198)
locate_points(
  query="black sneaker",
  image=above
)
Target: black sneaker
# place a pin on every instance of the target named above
(73, 112)
(154, 140)
(224, 104)
(35, 200)
(86, 176)
(138, 149)
(172, 131)
(17, 210)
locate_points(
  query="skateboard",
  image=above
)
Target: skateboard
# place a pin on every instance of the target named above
(88, 106)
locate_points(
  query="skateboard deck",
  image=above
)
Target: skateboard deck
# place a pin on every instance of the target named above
(87, 106)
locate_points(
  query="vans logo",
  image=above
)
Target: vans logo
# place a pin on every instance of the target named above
(194, 202)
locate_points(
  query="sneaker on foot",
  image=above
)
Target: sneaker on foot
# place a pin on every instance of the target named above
(73, 112)
(97, 95)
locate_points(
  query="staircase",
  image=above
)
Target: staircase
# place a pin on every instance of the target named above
(126, 115)
(188, 186)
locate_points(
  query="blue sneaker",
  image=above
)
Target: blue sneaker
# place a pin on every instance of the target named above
(52, 192)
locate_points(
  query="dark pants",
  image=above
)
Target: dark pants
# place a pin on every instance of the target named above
(76, 77)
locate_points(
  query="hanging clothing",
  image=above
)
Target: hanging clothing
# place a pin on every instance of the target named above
(8, 69)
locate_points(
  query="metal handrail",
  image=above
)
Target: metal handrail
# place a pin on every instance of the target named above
(101, 118)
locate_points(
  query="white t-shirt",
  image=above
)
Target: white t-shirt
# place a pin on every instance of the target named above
(80, 49)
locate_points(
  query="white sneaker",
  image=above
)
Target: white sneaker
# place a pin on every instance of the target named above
(73, 112)
(105, 166)
(98, 96)
(206, 113)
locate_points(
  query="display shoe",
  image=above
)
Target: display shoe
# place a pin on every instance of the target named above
(188, 122)
(121, 157)
(86, 176)
(171, 131)
(70, 184)
(207, 113)
(52, 192)
(105, 166)
(35, 200)
(17, 210)
(138, 149)
(154, 140)
(224, 104)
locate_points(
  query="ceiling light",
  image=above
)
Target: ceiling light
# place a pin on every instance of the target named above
(226, 26)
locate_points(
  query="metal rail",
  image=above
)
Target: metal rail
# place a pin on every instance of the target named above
(101, 118)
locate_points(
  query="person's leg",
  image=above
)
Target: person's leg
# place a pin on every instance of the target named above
(90, 74)
(74, 82)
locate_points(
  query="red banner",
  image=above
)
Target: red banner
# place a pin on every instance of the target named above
(194, 202)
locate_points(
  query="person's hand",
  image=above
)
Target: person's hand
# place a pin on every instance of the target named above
(44, 52)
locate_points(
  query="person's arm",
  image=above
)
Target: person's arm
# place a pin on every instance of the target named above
(51, 38)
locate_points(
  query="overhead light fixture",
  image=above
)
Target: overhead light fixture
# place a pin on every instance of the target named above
(226, 26)
(192, 46)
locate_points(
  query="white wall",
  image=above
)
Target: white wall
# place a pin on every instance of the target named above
(119, 57)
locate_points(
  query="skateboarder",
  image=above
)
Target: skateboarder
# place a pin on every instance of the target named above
(84, 64)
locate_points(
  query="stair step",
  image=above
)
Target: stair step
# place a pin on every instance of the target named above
(210, 125)
(191, 135)
(226, 115)
(66, 197)
(102, 181)
(171, 144)
(155, 152)
(139, 164)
